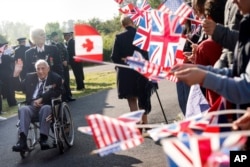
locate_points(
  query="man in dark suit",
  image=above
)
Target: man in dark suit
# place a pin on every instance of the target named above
(77, 67)
(130, 84)
(67, 95)
(39, 88)
(41, 51)
(20, 52)
(6, 73)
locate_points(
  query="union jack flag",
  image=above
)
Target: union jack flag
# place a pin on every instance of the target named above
(151, 71)
(142, 36)
(176, 7)
(132, 117)
(196, 151)
(220, 104)
(179, 129)
(112, 135)
(139, 11)
(164, 38)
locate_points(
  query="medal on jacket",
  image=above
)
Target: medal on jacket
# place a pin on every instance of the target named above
(51, 61)
(46, 57)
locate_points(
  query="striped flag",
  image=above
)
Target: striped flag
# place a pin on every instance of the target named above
(112, 135)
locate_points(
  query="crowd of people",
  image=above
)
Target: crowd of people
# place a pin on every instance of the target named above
(16, 62)
(221, 67)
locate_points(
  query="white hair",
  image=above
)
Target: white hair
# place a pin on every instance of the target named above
(34, 33)
(41, 61)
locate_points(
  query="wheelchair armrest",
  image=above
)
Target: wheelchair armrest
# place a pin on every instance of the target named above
(56, 100)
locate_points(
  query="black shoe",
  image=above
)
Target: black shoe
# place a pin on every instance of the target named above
(43, 142)
(21, 144)
(71, 99)
(44, 145)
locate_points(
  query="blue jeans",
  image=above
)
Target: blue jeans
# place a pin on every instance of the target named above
(182, 93)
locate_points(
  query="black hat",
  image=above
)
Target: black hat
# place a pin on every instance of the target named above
(21, 39)
(67, 33)
(53, 34)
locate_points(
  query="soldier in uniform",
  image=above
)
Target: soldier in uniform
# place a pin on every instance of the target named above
(20, 52)
(77, 67)
(67, 95)
(41, 51)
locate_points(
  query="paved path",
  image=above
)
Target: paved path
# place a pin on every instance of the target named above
(105, 102)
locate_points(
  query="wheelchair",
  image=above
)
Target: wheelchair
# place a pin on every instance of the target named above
(61, 131)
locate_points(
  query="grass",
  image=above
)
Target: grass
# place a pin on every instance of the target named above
(94, 82)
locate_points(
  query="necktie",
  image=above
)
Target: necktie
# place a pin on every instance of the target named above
(40, 90)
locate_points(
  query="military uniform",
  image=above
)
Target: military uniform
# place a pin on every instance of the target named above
(50, 54)
(67, 95)
(20, 53)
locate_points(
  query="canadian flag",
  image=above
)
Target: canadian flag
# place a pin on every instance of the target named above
(88, 43)
(118, 1)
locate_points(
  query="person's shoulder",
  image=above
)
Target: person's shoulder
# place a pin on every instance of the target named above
(29, 50)
(54, 75)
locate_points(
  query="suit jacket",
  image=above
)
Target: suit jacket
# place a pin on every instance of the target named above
(50, 54)
(62, 51)
(6, 67)
(53, 87)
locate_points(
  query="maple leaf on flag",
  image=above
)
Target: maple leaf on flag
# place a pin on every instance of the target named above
(118, 1)
(88, 43)
(139, 11)
(112, 135)
(129, 8)
(164, 38)
(178, 8)
(195, 151)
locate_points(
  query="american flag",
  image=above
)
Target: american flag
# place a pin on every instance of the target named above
(139, 11)
(112, 135)
(195, 151)
(176, 7)
(142, 36)
(164, 39)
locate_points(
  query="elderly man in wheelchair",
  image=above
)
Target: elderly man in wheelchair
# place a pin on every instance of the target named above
(40, 88)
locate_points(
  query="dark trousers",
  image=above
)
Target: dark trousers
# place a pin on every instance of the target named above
(67, 91)
(8, 92)
(77, 68)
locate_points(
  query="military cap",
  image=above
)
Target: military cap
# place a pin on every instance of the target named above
(21, 39)
(67, 33)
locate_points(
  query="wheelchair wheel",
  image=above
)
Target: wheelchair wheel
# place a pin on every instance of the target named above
(67, 124)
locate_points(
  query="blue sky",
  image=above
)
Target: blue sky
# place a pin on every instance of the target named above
(38, 12)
